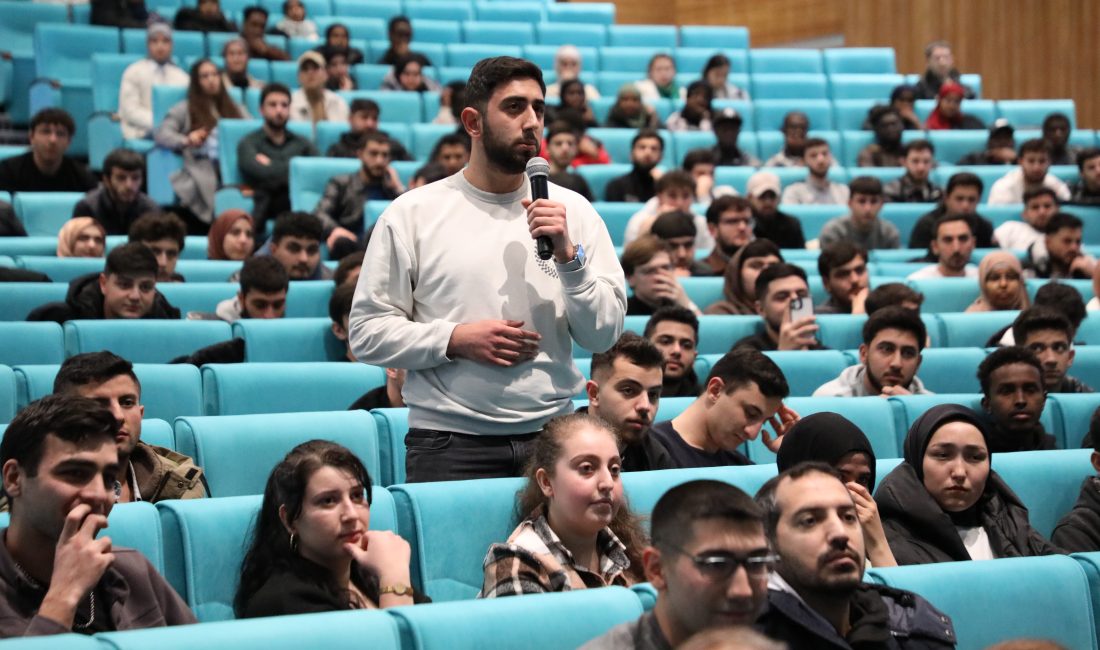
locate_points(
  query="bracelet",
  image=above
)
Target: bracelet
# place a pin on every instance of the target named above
(398, 589)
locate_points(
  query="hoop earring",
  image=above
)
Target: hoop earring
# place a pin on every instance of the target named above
(294, 542)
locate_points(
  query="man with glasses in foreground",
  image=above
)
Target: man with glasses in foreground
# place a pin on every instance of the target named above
(709, 563)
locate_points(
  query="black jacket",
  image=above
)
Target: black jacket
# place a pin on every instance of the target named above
(881, 618)
(189, 19)
(1079, 530)
(645, 455)
(635, 186)
(84, 301)
(921, 235)
(920, 532)
(1001, 441)
(350, 143)
(116, 219)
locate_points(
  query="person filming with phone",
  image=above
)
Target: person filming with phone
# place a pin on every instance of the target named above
(783, 300)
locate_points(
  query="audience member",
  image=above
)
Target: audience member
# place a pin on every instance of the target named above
(408, 76)
(886, 150)
(1049, 336)
(567, 66)
(675, 332)
(675, 193)
(235, 70)
(206, 16)
(660, 81)
(1060, 255)
(127, 288)
(1031, 175)
(962, 195)
(312, 102)
(716, 73)
(339, 73)
(452, 99)
(263, 156)
(45, 167)
(1013, 397)
(130, 14)
(736, 638)
(1001, 280)
(699, 162)
(1039, 206)
(294, 23)
(296, 243)
(677, 230)
(347, 271)
(903, 99)
(264, 284)
(577, 530)
(893, 294)
(191, 129)
(165, 234)
(889, 357)
(647, 264)
(817, 596)
(1087, 190)
(341, 206)
(744, 390)
(1079, 530)
(296, 565)
(59, 461)
(452, 152)
(118, 201)
(915, 185)
(252, 31)
(843, 269)
(400, 33)
(739, 284)
(704, 533)
(862, 224)
(10, 225)
(363, 118)
(640, 184)
(429, 173)
(1056, 130)
(1000, 147)
(817, 188)
(730, 224)
(338, 41)
(953, 247)
(948, 112)
(939, 72)
(944, 503)
(574, 104)
(561, 149)
(780, 289)
(81, 237)
(135, 95)
(629, 111)
(833, 439)
(796, 125)
(696, 113)
(624, 391)
(727, 129)
(1059, 296)
(231, 236)
(763, 190)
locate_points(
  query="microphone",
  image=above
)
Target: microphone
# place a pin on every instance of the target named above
(538, 170)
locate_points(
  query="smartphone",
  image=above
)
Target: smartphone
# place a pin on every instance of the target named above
(801, 308)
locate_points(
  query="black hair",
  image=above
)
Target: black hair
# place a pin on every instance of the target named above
(648, 134)
(891, 293)
(896, 317)
(638, 350)
(675, 178)
(1064, 299)
(673, 313)
(92, 368)
(745, 365)
(1003, 357)
(866, 185)
(489, 74)
(78, 420)
(878, 112)
(1094, 430)
(131, 259)
(815, 142)
(448, 140)
(339, 303)
(559, 127)
(791, 115)
(919, 144)
(776, 272)
(1035, 319)
(297, 224)
(273, 88)
(364, 105)
(674, 515)
(1035, 145)
(154, 226)
(964, 179)
(55, 116)
(397, 20)
(1062, 220)
(431, 172)
(766, 495)
(716, 61)
(700, 156)
(252, 9)
(948, 217)
(125, 159)
(675, 223)
(263, 273)
(838, 254)
(1055, 117)
(724, 204)
(1042, 190)
(347, 264)
(1086, 155)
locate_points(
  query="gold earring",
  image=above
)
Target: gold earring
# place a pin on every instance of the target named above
(293, 542)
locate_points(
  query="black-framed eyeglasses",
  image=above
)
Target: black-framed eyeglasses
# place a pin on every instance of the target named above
(722, 566)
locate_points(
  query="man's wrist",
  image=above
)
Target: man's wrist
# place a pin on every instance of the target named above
(565, 256)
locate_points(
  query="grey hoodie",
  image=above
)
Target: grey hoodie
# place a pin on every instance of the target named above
(850, 384)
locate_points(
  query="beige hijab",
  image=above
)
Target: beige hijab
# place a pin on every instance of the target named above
(993, 261)
(66, 238)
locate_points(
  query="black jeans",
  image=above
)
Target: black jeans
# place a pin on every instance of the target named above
(447, 456)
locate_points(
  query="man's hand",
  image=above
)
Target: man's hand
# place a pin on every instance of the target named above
(394, 180)
(263, 160)
(79, 562)
(1082, 265)
(337, 233)
(781, 422)
(667, 287)
(547, 218)
(703, 186)
(798, 335)
(890, 391)
(497, 342)
(859, 301)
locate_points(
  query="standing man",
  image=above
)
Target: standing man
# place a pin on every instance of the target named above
(135, 94)
(460, 298)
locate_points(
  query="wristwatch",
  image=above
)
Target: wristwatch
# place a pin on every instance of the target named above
(577, 262)
(398, 589)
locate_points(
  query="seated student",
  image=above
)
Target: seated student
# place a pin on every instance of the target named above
(675, 193)
(730, 223)
(794, 128)
(1039, 206)
(10, 225)
(452, 152)
(699, 162)
(833, 439)
(385, 396)
(903, 99)
(118, 201)
(127, 288)
(235, 69)
(716, 72)
(81, 237)
(943, 503)
(1049, 335)
(294, 23)
(312, 549)
(341, 206)
(165, 234)
(363, 117)
(135, 95)
(939, 71)
(744, 390)
(561, 149)
(625, 391)
(577, 530)
(704, 533)
(339, 73)
(778, 288)
(400, 33)
(953, 246)
(727, 129)
(886, 150)
(677, 230)
(296, 243)
(347, 271)
(675, 332)
(893, 294)
(1013, 398)
(253, 29)
(45, 167)
(948, 112)
(784, 230)
(1060, 255)
(206, 16)
(1058, 296)
(629, 111)
(862, 224)
(843, 269)
(1087, 190)
(649, 273)
(567, 65)
(660, 81)
(1001, 279)
(337, 41)
(407, 76)
(264, 284)
(1032, 173)
(231, 236)
(429, 173)
(1079, 530)
(889, 357)
(148, 473)
(640, 183)
(739, 279)
(1000, 147)
(574, 106)
(59, 462)
(695, 113)
(817, 597)
(312, 101)
(817, 189)
(962, 195)
(119, 13)
(1056, 130)
(915, 185)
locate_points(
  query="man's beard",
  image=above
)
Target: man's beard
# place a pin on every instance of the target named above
(503, 155)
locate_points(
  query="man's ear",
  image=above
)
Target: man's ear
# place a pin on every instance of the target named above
(863, 353)
(103, 283)
(654, 568)
(339, 332)
(471, 121)
(592, 390)
(13, 478)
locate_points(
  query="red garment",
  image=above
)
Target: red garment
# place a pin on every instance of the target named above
(602, 157)
(936, 120)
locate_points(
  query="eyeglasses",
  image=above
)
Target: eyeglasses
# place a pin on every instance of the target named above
(722, 566)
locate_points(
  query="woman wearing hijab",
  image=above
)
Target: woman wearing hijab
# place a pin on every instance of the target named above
(948, 112)
(739, 289)
(231, 236)
(1001, 280)
(408, 75)
(630, 112)
(833, 439)
(943, 503)
(81, 237)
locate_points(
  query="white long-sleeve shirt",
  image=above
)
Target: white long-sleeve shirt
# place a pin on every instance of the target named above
(448, 253)
(1010, 188)
(135, 94)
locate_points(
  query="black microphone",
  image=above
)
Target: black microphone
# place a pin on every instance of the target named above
(538, 170)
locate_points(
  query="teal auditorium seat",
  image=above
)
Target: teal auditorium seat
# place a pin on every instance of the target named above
(425, 136)
(581, 35)
(60, 269)
(31, 343)
(359, 27)
(509, 622)
(952, 145)
(974, 329)
(851, 113)
(951, 370)
(1047, 482)
(396, 106)
(289, 339)
(692, 59)
(499, 33)
(1084, 287)
(7, 394)
(860, 60)
(143, 341)
(517, 11)
(43, 213)
(543, 55)
(309, 176)
(710, 36)
(804, 370)
(862, 86)
(468, 54)
(703, 291)
(392, 425)
(1075, 410)
(644, 489)
(873, 415)
(230, 133)
(598, 176)
(651, 36)
(1030, 113)
(996, 601)
(946, 295)
(591, 13)
(314, 8)
(158, 433)
(770, 113)
(907, 408)
(198, 296)
(786, 86)
(785, 61)
(618, 145)
(717, 334)
(242, 389)
(1090, 562)
(13, 246)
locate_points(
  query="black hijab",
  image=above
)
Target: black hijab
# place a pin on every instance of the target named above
(823, 437)
(920, 434)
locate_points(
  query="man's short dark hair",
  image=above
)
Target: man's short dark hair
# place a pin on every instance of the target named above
(397, 20)
(676, 512)
(765, 496)
(1037, 319)
(448, 140)
(124, 159)
(155, 226)
(695, 157)
(865, 185)
(638, 350)
(815, 142)
(836, 255)
(559, 127)
(675, 223)
(891, 294)
(776, 272)
(673, 313)
(1064, 299)
(489, 74)
(377, 137)
(1062, 220)
(348, 264)
(364, 105)
(919, 144)
(265, 274)
(339, 304)
(744, 365)
(131, 259)
(948, 217)
(1040, 191)
(875, 115)
(964, 179)
(273, 88)
(640, 251)
(78, 420)
(1035, 145)
(92, 369)
(252, 9)
(1055, 117)
(1086, 155)
(297, 224)
(898, 318)
(54, 116)
(675, 179)
(1003, 357)
(649, 134)
(725, 203)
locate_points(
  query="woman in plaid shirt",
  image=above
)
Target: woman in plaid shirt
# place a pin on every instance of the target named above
(578, 531)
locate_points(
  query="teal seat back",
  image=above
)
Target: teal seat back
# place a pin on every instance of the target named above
(309, 176)
(973, 330)
(20, 19)
(61, 269)
(1075, 412)
(158, 433)
(7, 394)
(207, 270)
(43, 213)
(289, 339)
(143, 341)
(946, 294)
(807, 370)
(392, 425)
(1090, 562)
(703, 291)
(644, 489)
(198, 296)
(951, 370)
(17, 299)
(1048, 482)
(873, 415)
(64, 52)
(907, 408)
(718, 333)
(241, 389)
(598, 176)
(615, 216)
(397, 106)
(107, 72)
(37, 343)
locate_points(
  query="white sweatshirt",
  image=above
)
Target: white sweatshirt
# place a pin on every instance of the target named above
(448, 253)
